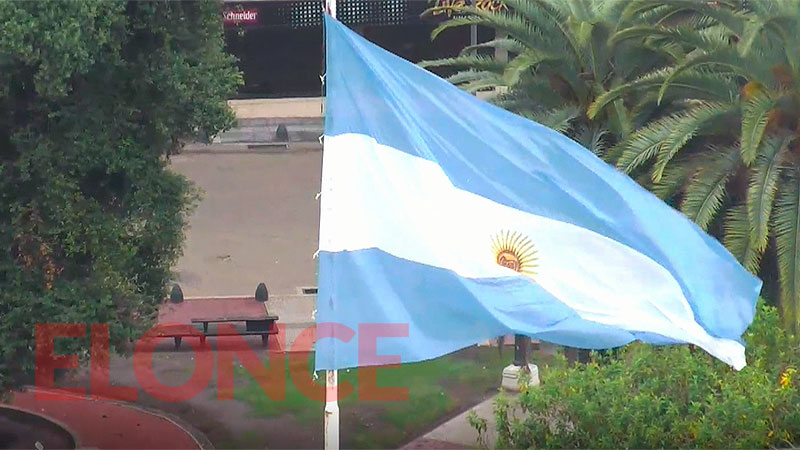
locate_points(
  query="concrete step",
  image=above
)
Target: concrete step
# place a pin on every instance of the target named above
(251, 148)
(273, 122)
(265, 130)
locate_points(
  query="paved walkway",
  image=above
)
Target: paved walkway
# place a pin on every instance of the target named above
(277, 107)
(457, 433)
(258, 221)
(102, 424)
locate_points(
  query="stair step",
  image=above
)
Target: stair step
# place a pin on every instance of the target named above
(255, 134)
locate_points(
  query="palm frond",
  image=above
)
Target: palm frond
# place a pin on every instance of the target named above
(593, 137)
(611, 11)
(550, 16)
(678, 175)
(470, 75)
(761, 192)
(545, 14)
(481, 84)
(531, 95)
(452, 23)
(580, 10)
(737, 238)
(732, 19)
(504, 44)
(684, 35)
(685, 126)
(755, 116)
(522, 63)
(786, 229)
(642, 145)
(752, 31)
(476, 62)
(725, 58)
(559, 119)
(702, 84)
(672, 181)
(510, 22)
(706, 191)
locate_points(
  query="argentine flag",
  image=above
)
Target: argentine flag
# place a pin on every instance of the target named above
(459, 222)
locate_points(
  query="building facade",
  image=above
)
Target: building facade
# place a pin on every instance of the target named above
(280, 48)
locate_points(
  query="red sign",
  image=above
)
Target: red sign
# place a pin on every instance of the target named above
(233, 17)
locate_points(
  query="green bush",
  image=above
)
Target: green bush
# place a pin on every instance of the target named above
(664, 397)
(94, 96)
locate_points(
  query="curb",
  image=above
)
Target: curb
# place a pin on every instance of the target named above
(75, 439)
(250, 148)
(197, 436)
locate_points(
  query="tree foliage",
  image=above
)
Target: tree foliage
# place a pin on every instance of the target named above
(560, 59)
(94, 97)
(747, 189)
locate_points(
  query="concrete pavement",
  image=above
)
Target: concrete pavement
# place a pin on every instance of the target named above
(457, 433)
(258, 221)
(301, 107)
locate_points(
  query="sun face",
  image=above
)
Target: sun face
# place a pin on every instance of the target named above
(515, 251)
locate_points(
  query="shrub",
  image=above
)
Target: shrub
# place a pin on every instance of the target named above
(664, 397)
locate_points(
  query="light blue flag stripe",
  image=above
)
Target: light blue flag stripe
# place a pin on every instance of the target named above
(434, 302)
(514, 162)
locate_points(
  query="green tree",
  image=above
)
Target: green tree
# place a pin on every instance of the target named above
(727, 154)
(94, 96)
(560, 60)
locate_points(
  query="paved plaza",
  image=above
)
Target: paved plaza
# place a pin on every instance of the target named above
(258, 221)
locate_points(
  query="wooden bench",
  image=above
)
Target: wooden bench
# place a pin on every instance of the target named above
(253, 326)
(264, 326)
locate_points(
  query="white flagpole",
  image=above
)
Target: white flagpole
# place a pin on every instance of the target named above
(331, 410)
(331, 414)
(330, 6)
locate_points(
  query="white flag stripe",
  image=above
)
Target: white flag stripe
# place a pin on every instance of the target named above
(406, 206)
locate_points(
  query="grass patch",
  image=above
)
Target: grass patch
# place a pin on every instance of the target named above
(436, 389)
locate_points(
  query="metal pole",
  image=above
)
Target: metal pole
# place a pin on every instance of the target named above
(331, 410)
(521, 349)
(331, 414)
(330, 7)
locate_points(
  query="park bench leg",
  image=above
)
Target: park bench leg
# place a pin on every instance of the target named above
(265, 340)
(177, 342)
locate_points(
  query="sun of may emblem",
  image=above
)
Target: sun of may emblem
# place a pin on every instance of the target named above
(515, 251)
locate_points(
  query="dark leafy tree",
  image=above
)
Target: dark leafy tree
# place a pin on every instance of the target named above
(94, 97)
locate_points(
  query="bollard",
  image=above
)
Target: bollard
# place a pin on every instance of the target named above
(176, 295)
(512, 379)
(261, 293)
(282, 134)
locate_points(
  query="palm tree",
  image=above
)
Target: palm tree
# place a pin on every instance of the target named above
(728, 153)
(560, 61)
